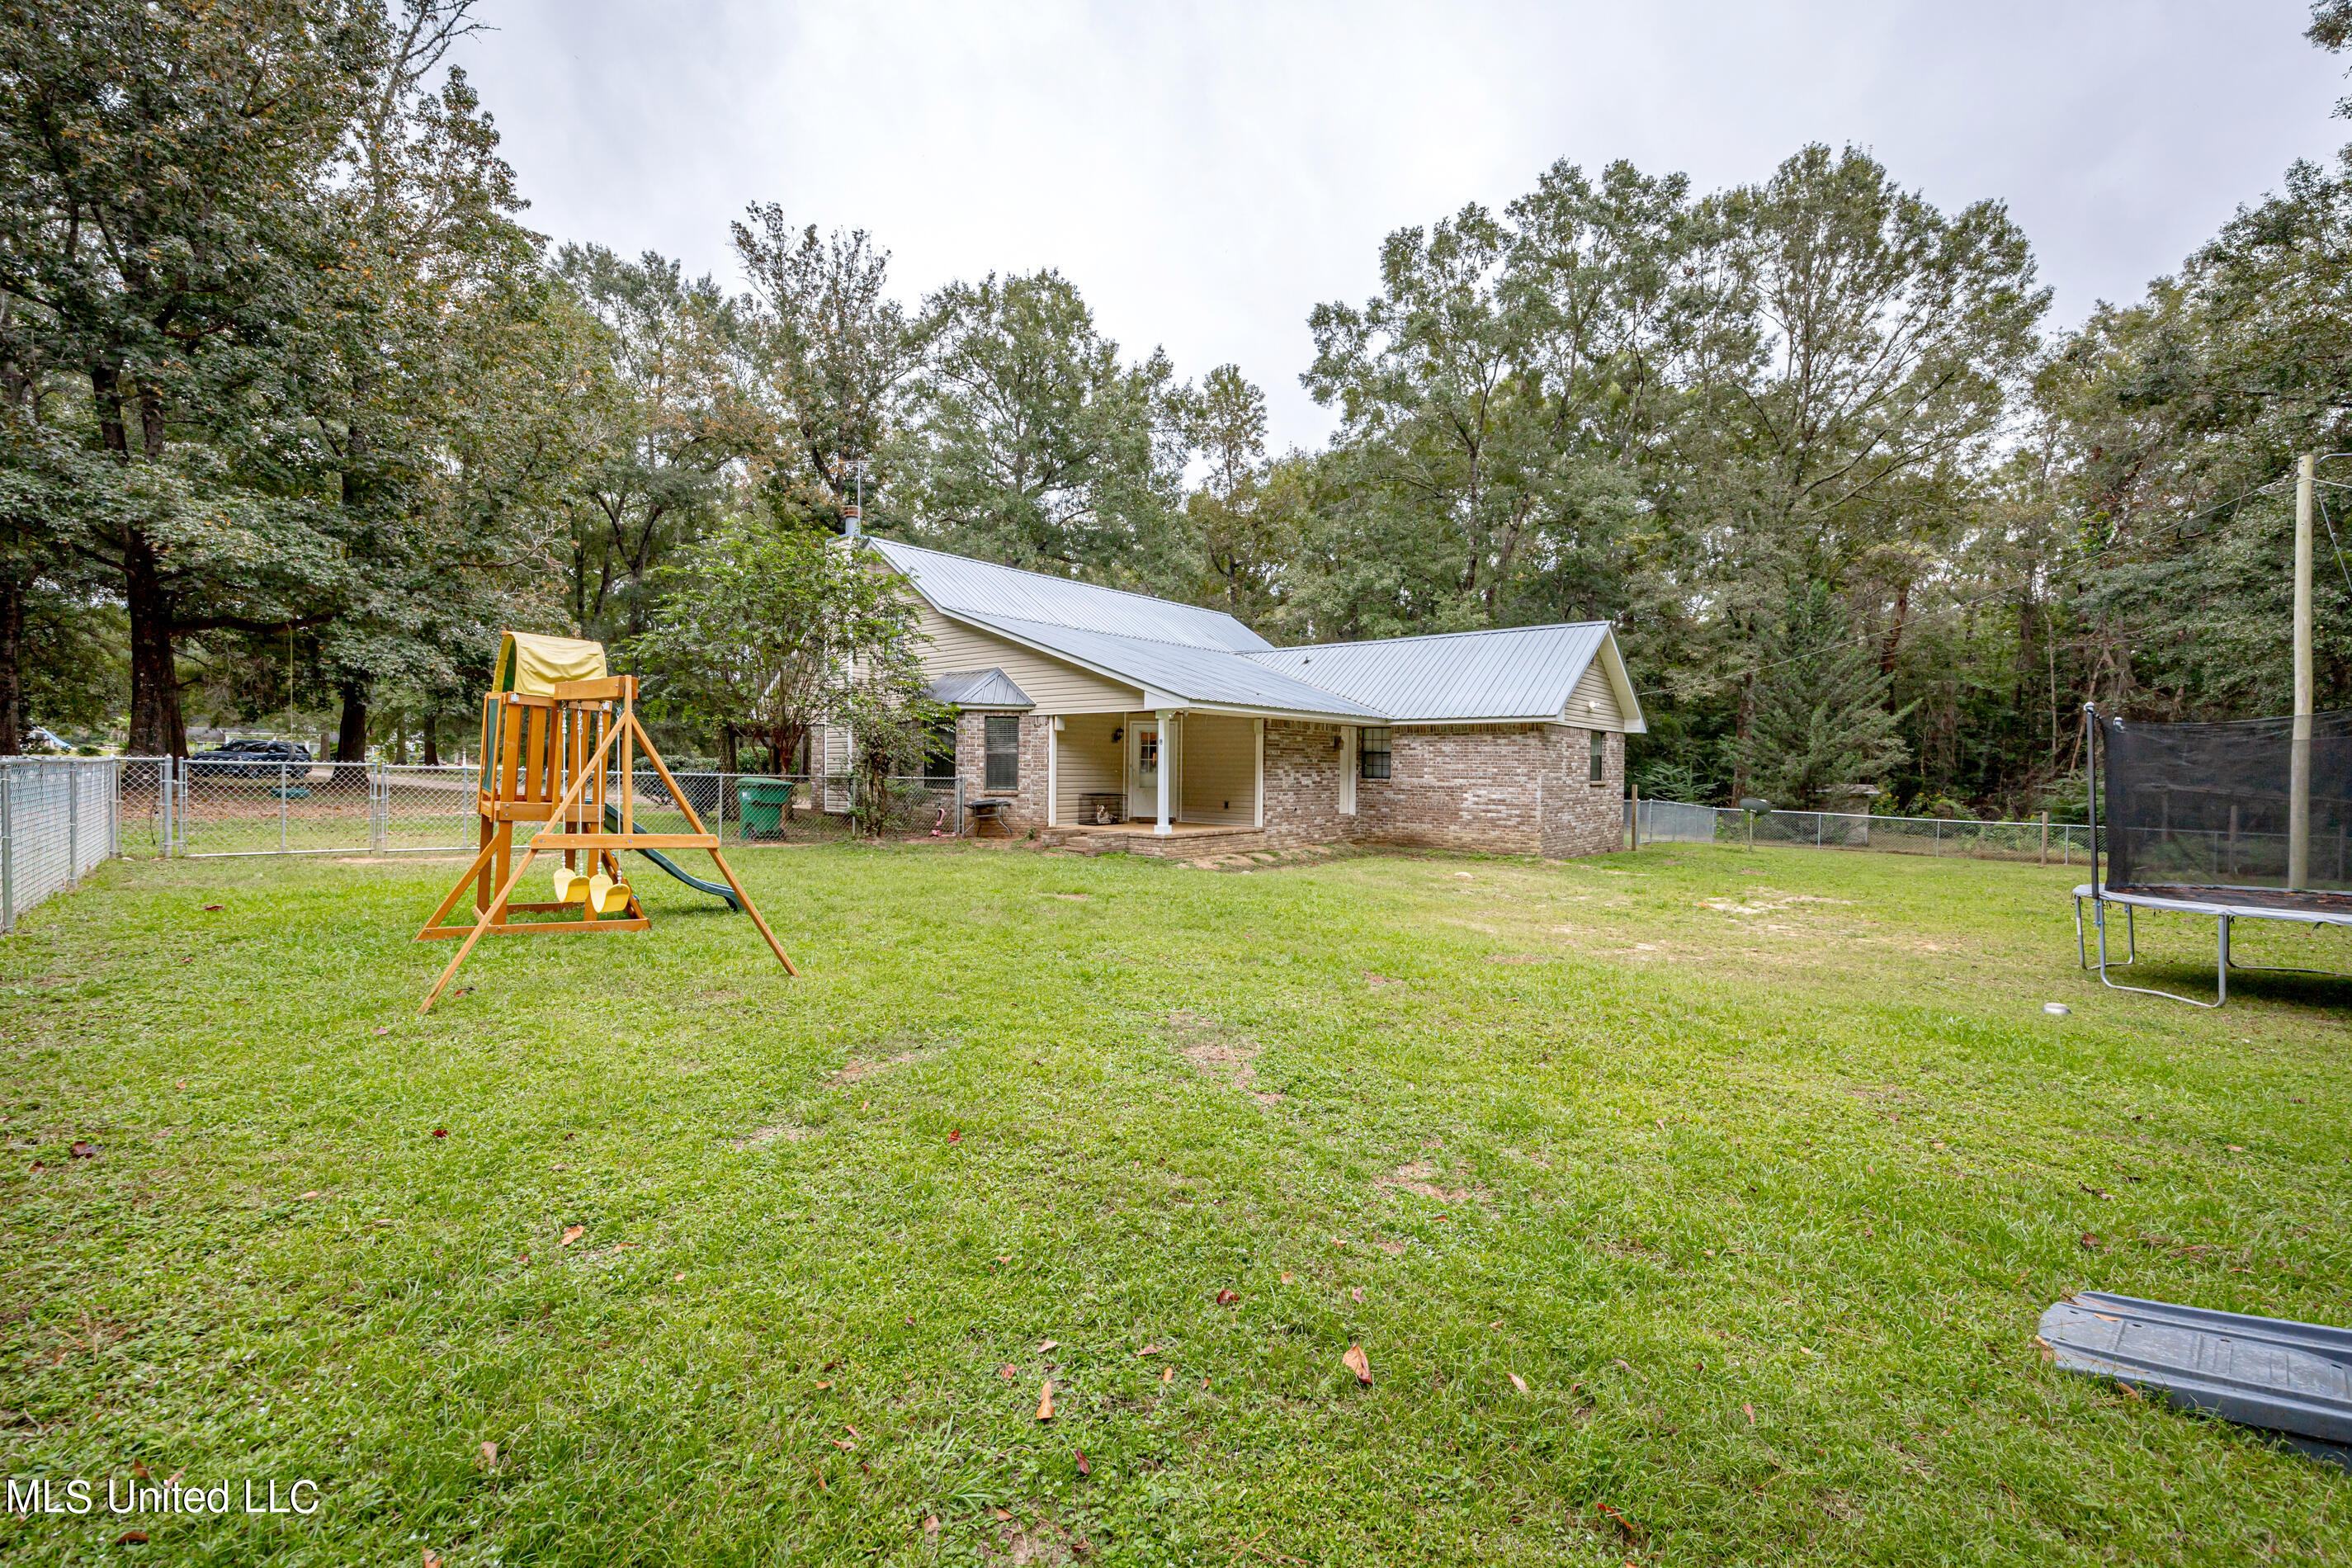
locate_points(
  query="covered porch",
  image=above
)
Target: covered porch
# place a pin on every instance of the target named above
(1161, 773)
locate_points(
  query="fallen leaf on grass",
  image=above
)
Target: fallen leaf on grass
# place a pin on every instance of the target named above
(1751, 1409)
(489, 1455)
(383, 1029)
(827, 1383)
(1148, 1350)
(955, 1136)
(1083, 1469)
(844, 1444)
(2090, 1243)
(432, 1558)
(1046, 1401)
(676, 1277)
(306, 1197)
(1227, 1297)
(1516, 1381)
(440, 1132)
(131, 1538)
(1045, 1346)
(1002, 1513)
(1355, 1292)
(2128, 1392)
(210, 908)
(1008, 1371)
(1355, 1360)
(1167, 1375)
(1286, 1277)
(1632, 1532)
(931, 1524)
(81, 1151)
(572, 1233)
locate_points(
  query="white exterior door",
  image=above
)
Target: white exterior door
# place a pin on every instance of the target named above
(1143, 762)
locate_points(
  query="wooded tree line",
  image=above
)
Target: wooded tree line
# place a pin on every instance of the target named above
(298, 414)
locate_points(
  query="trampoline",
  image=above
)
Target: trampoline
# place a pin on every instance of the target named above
(2240, 821)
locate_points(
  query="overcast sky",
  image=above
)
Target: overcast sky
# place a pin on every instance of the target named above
(1206, 172)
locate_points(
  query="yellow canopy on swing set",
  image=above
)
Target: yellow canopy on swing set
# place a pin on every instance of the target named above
(557, 733)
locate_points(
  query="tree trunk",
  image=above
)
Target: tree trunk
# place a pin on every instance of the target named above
(157, 728)
(727, 754)
(350, 739)
(432, 743)
(14, 720)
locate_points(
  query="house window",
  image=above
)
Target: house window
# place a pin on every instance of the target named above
(1600, 769)
(1147, 752)
(1375, 753)
(940, 753)
(1003, 750)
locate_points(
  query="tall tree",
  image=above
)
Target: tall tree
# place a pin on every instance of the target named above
(162, 170)
(830, 358)
(1246, 515)
(675, 427)
(1037, 446)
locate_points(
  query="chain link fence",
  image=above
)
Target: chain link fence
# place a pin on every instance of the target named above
(58, 819)
(1673, 822)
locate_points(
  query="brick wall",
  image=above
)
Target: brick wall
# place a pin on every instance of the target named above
(1303, 769)
(1503, 789)
(1025, 807)
(1580, 818)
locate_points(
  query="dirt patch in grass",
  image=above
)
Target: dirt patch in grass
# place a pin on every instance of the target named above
(858, 1068)
(775, 1133)
(1414, 1178)
(1042, 1544)
(1218, 1052)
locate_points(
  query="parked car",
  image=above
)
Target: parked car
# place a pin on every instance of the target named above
(251, 760)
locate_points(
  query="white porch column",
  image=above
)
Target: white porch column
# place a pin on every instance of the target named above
(1167, 717)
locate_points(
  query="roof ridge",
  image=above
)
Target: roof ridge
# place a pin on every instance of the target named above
(1428, 636)
(1124, 637)
(1068, 582)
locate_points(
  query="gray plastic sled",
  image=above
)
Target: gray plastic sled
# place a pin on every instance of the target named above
(2287, 1377)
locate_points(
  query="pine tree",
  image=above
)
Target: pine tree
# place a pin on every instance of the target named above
(1820, 725)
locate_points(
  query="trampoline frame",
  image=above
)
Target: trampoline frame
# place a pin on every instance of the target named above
(2101, 895)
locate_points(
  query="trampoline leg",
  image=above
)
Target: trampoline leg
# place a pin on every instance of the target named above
(2221, 970)
(2081, 961)
(2131, 934)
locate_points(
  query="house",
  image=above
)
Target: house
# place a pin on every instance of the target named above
(1115, 720)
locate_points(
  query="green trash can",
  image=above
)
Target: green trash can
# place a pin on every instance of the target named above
(761, 803)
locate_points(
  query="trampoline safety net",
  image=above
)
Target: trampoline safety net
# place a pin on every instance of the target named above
(2207, 804)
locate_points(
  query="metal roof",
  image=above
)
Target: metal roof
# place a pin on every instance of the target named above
(1194, 654)
(1211, 675)
(977, 689)
(970, 589)
(1511, 672)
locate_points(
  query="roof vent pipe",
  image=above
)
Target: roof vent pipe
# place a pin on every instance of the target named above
(852, 515)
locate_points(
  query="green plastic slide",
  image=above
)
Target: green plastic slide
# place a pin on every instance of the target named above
(716, 890)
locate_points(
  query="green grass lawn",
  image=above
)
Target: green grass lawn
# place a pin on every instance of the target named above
(1755, 1168)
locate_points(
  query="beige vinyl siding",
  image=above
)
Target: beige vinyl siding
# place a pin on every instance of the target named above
(1594, 687)
(1055, 687)
(1219, 767)
(1087, 762)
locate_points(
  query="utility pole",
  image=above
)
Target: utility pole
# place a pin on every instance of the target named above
(2298, 807)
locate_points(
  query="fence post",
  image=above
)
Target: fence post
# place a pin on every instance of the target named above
(1940, 836)
(8, 849)
(164, 800)
(958, 832)
(2045, 839)
(379, 798)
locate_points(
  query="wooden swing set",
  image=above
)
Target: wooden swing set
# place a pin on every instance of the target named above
(551, 723)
